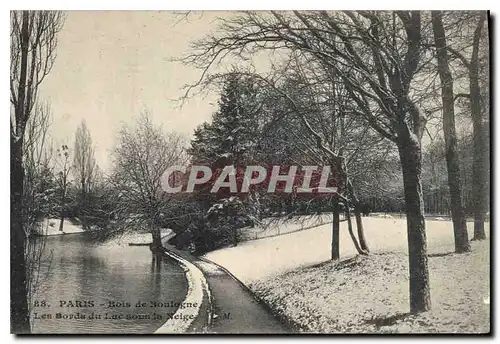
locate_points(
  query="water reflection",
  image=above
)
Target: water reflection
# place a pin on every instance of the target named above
(75, 269)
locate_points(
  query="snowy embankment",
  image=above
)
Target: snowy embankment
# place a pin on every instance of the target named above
(255, 260)
(138, 238)
(277, 226)
(365, 294)
(51, 227)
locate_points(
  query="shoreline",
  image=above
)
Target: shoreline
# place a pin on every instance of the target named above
(198, 289)
(368, 294)
(135, 238)
(295, 276)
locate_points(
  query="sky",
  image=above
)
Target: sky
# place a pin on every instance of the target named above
(111, 66)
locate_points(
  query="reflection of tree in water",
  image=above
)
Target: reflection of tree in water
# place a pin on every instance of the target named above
(82, 270)
(38, 268)
(85, 284)
(156, 263)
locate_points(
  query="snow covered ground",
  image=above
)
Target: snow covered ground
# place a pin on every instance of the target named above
(51, 227)
(366, 294)
(370, 295)
(255, 260)
(276, 226)
(135, 238)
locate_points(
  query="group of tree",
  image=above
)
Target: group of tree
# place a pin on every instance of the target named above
(142, 155)
(386, 76)
(386, 99)
(32, 55)
(41, 173)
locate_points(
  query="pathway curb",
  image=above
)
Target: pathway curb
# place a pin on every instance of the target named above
(197, 287)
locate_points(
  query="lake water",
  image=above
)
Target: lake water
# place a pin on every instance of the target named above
(107, 284)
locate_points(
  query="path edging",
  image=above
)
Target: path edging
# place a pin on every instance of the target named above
(197, 286)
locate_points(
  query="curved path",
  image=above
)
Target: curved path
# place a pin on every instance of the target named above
(234, 308)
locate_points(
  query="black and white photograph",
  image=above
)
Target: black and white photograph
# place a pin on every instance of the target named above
(250, 172)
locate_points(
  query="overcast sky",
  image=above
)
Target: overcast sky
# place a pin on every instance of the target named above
(110, 66)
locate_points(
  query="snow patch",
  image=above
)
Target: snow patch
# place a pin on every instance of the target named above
(369, 294)
(197, 285)
(135, 238)
(51, 227)
(255, 260)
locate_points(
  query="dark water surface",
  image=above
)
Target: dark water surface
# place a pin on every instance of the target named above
(74, 268)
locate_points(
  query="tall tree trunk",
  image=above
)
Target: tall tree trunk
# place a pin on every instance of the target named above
(156, 234)
(450, 136)
(351, 233)
(63, 200)
(340, 162)
(411, 163)
(156, 245)
(357, 215)
(84, 205)
(61, 223)
(19, 311)
(480, 162)
(19, 316)
(479, 179)
(336, 231)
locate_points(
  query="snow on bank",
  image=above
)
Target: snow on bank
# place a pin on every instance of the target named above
(370, 294)
(51, 227)
(275, 226)
(256, 260)
(135, 238)
(197, 288)
(293, 274)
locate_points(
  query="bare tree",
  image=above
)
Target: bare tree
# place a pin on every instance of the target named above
(84, 166)
(37, 147)
(313, 110)
(63, 163)
(38, 191)
(479, 108)
(33, 43)
(450, 136)
(385, 53)
(141, 157)
(323, 116)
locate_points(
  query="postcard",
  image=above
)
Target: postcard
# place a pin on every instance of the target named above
(251, 172)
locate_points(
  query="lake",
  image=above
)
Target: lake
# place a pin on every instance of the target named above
(87, 287)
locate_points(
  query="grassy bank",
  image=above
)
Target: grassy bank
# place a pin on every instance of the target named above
(50, 227)
(135, 237)
(370, 294)
(294, 275)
